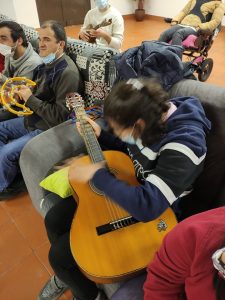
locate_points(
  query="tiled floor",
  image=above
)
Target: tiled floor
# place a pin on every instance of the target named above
(24, 246)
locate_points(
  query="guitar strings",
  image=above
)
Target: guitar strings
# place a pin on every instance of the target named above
(90, 139)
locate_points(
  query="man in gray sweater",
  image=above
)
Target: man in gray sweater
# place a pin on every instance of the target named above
(20, 57)
(54, 79)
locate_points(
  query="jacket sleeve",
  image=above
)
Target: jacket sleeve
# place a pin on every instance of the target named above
(110, 142)
(184, 12)
(170, 267)
(217, 9)
(56, 112)
(174, 173)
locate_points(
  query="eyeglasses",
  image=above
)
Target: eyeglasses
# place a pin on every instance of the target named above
(218, 264)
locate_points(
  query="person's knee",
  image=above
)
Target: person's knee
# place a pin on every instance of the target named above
(9, 153)
(163, 37)
(60, 256)
(178, 34)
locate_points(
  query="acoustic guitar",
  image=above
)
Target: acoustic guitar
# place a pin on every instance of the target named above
(107, 243)
(92, 39)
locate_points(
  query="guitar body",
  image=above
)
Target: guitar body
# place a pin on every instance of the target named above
(92, 39)
(121, 253)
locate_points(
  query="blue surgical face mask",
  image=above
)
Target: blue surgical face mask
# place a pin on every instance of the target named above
(49, 58)
(129, 139)
(101, 4)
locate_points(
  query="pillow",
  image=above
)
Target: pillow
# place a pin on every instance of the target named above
(96, 67)
(58, 183)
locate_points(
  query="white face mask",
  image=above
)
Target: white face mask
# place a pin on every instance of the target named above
(5, 49)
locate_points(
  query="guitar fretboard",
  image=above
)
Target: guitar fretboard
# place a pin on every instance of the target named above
(91, 142)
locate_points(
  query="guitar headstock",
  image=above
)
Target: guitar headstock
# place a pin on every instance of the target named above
(105, 23)
(74, 101)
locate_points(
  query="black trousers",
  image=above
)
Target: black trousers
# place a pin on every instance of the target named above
(58, 222)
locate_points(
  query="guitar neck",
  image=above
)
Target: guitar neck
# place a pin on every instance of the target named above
(75, 101)
(97, 26)
(103, 24)
(91, 142)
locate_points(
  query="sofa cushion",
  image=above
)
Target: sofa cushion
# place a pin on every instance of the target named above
(96, 67)
(58, 183)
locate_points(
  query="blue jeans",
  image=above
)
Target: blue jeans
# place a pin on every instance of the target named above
(176, 34)
(13, 137)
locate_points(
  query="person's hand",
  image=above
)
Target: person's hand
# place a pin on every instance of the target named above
(83, 172)
(94, 125)
(23, 92)
(98, 33)
(84, 35)
(67, 162)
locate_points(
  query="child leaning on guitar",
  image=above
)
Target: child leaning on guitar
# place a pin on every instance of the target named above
(165, 140)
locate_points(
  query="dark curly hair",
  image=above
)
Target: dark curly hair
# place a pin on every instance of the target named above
(16, 31)
(127, 102)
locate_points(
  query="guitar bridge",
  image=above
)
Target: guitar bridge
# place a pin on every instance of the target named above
(115, 225)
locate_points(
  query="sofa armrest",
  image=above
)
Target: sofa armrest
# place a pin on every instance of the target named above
(207, 93)
(208, 189)
(45, 150)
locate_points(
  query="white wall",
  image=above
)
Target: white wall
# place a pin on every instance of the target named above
(7, 8)
(152, 7)
(26, 12)
(126, 7)
(22, 11)
(164, 8)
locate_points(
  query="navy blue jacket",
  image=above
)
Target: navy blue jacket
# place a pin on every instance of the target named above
(166, 170)
(151, 59)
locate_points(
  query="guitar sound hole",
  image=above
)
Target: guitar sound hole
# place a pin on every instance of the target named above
(96, 190)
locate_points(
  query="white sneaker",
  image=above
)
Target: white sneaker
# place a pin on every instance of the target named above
(53, 289)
